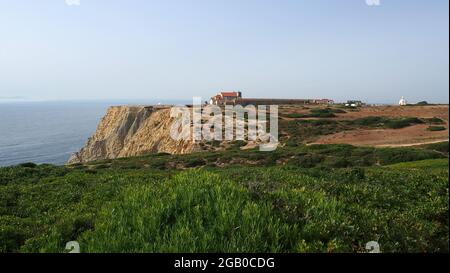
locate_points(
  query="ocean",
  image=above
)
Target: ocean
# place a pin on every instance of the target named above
(49, 132)
(46, 132)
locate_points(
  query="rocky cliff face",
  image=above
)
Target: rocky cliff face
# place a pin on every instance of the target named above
(132, 131)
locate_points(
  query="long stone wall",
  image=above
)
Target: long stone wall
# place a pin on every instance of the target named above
(248, 101)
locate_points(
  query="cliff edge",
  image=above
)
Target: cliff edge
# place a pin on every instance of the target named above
(127, 131)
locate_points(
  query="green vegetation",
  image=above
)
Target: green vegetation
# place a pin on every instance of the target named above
(434, 120)
(318, 113)
(192, 212)
(423, 164)
(304, 130)
(320, 198)
(322, 113)
(368, 121)
(402, 123)
(436, 128)
(379, 122)
(441, 147)
(296, 115)
(298, 130)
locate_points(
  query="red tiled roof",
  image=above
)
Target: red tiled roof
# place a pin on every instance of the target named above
(229, 94)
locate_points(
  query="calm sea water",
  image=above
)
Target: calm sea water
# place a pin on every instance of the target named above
(46, 132)
(49, 132)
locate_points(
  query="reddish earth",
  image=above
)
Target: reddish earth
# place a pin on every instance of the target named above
(440, 111)
(413, 135)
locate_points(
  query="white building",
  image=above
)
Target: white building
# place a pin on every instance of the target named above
(403, 102)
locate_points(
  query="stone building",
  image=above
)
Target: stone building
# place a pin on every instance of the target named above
(235, 98)
(226, 98)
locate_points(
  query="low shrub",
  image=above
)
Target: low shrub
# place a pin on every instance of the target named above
(385, 122)
(309, 160)
(434, 120)
(194, 212)
(28, 165)
(391, 156)
(436, 128)
(402, 123)
(194, 162)
(296, 115)
(442, 147)
(322, 113)
(238, 144)
(368, 121)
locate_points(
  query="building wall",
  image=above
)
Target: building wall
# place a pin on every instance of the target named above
(273, 101)
(220, 100)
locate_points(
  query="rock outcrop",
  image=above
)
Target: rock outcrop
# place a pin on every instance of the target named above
(128, 131)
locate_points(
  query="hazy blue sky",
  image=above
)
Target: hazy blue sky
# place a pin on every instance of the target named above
(112, 49)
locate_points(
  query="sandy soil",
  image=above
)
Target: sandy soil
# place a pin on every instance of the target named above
(409, 136)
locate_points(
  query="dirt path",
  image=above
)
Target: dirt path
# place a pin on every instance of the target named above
(409, 136)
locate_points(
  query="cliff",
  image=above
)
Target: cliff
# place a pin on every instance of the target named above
(127, 131)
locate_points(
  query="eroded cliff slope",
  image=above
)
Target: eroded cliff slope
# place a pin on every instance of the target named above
(132, 131)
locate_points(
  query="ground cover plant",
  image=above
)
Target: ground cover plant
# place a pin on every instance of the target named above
(320, 198)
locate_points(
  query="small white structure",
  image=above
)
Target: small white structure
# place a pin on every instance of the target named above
(403, 102)
(354, 103)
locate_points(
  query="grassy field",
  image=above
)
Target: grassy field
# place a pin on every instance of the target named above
(321, 198)
(305, 125)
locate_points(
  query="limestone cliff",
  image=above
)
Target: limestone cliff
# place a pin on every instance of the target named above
(128, 131)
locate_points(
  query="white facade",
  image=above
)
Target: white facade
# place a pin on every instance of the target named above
(403, 102)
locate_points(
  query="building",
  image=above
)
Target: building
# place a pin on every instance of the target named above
(226, 98)
(257, 101)
(403, 102)
(324, 101)
(354, 103)
(235, 98)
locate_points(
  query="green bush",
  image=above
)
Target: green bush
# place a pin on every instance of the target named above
(423, 164)
(392, 156)
(436, 128)
(238, 144)
(402, 123)
(194, 212)
(28, 165)
(296, 115)
(309, 160)
(338, 162)
(368, 121)
(338, 111)
(195, 162)
(442, 147)
(385, 122)
(317, 113)
(322, 113)
(101, 166)
(159, 164)
(434, 120)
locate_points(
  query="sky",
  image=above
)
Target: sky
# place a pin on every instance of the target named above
(177, 49)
